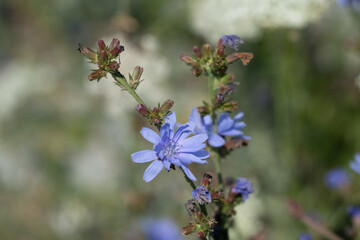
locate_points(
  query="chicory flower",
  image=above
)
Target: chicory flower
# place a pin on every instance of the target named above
(171, 147)
(355, 165)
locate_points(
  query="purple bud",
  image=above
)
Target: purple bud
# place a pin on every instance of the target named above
(197, 52)
(188, 229)
(220, 48)
(114, 43)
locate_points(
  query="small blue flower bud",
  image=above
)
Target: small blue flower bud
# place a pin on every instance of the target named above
(202, 195)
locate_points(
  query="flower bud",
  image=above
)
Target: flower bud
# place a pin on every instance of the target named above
(206, 50)
(115, 51)
(220, 48)
(192, 208)
(196, 71)
(197, 52)
(188, 60)
(207, 179)
(217, 195)
(201, 235)
(245, 57)
(102, 55)
(113, 65)
(156, 120)
(142, 110)
(89, 54)
(230, 106)
(166, 106)
(114, 43)
(102, 46)
(96, 75)
(137, 73)
(188, 229)
(156, 110)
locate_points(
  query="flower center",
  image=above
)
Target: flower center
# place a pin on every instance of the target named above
(171, 148)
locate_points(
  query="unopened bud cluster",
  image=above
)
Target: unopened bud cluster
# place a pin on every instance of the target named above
(157, 115)
(105, 58)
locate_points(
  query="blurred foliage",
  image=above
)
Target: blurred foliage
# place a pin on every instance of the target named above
(65, 170)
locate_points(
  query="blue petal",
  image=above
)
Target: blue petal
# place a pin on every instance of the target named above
(207, 120)
(144, 156)
(225, 124)
(355, 166)
(216, 141)
(239, 125)
(195, 140)
(165, 132)
(187, 158)
(231, 132)
(171, 119)
(238, 116)
(192, 148)
(153, 170)
(188, 173)
(182, 133)
(357, 157)
(174, 161)
(150, 135)
(166, 164)
(201, 154)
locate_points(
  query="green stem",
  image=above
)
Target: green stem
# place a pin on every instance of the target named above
(202, 207)
(211, 83)
(120, 79)
(217, 162)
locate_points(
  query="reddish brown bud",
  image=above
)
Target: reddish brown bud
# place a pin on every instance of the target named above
(137, 73)
(230, 106)
(113, 65)
(201, 235)
(203, 110)
(156, 120)
(245, 57)
(96, 75)
(220, 48)
(102, 46)
(216, 195)
(196, 71)
(142, 110)
(188, 229)
(235, 143)
(294, 208)
(102, 55)
(115, 51)
(114, 43)
(197, 52)
(188, 60)
(89, 54)
(166, 106)
(207, 179)
(156, 110)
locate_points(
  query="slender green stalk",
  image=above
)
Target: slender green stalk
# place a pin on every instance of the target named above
(202, 207)
(216, 159)
(211, 83)
(120, 79)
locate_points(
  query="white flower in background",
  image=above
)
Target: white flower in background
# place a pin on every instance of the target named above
(247, 18)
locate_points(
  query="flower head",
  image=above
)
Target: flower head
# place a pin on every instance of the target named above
(243, 187)
(171, 148)
(355, 165)
(336, 178)
(161, 229)
(354, 211)
(201, 194)
(226, 126)
(305, 236)
(232, 41)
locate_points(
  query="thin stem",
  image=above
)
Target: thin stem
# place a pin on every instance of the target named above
(217, 162)
(211, 83)
(202, 207)
(120, 79)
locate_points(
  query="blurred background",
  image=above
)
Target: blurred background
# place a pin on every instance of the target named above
(65, 145)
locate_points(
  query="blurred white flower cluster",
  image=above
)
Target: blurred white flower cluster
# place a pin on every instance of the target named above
(213, 18)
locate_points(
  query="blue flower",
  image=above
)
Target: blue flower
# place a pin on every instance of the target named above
(171, 147)
(336, 178)
(354, 211)
(305, 236)
(201, 194)
(161, 229)
(355, 4)
(355, 165)
(243, 187)
(226, 126)
(232, 41)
